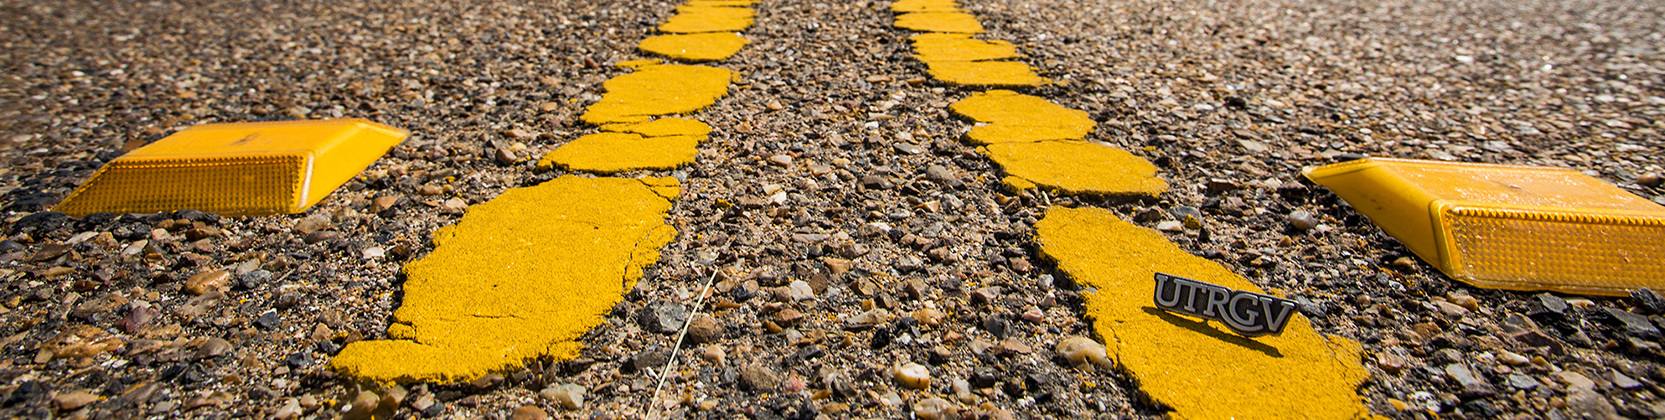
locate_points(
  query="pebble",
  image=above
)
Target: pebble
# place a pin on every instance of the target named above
(704, 329)
(207, 281)
(214, 347)
(935, 409)
(1512, 358)
(1472, 386)
(1083, 352)
(1522, 382)
(312, 224)
(1301, 220)
(662, 317)
(529, 412)
(568, 396)
(71, 401)
(714, 354)
(291, 409)
(757, 378)
(1651, 179)
(913, 375)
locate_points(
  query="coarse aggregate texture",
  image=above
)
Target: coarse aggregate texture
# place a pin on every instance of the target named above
(697, 47)
(1078, 167)
(1011, 117)
(653, 90)
(944, 22)
(934, 47)
(1201, 370)
(610, 153)
(518, 278)
(985, 73)
(831, 128)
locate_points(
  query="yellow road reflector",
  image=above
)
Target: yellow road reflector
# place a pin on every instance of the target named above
(1015, 117)
(608, 153)
(1510, 227)
(909, 6)
(695, 47)
(657, 89)
(236, 169)
(520, 277)
(1077, 167)
(1202, 370)
(929, 47)
(954, 22)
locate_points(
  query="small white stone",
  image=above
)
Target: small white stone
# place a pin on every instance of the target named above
(1083, 351)
(913, 375)
(569, 396)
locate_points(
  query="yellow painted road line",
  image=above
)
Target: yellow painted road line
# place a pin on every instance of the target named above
(526, 274)
(519, 277)
(1201, 370)
(1076, 168)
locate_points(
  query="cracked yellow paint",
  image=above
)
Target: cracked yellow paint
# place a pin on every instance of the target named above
(910, 6)
(670, 126)
(698, 19)
(520, 277)
(1200, 370)
(658, 89)
(985, 73)
(1078, 167)
(951, 22)
(607, 153)
(1014, 117)
(932, 47)
(695, 47)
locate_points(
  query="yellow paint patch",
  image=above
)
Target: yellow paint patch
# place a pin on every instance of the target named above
(984, 73)
(1015, 117)
(658, 90)
(720, 3)
(952, 22)
(668, 127)
(1201, 370)
(910, 6)
(699, 19)
(695, 47)
(933, 47)
(1078, 167)
(607, 153)
(519, 277)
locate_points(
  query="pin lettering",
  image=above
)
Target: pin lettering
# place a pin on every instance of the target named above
(1246, 313)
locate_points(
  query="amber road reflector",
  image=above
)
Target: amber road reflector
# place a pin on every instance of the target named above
(238, 169)
(1510, 227)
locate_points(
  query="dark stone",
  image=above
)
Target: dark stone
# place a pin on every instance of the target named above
(1545, 304)
(26, 391)
(9, 246)
(299, 360)
(662, 317)
(1643, 298)
(1538, 339)
(1632, 324)
(653, 357)
(254, 279)
(197, 216)
(327, 347)
(1473, 386)
(268, 320)
(999, 327)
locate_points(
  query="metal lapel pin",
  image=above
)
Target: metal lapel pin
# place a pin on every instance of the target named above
(1247, 313)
